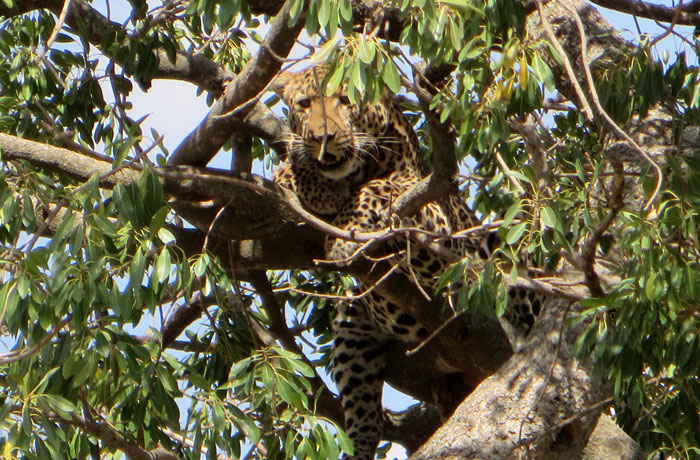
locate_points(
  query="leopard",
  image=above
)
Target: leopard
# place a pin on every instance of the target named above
(348, 162)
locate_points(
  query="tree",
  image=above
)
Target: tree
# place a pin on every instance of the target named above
(580, 153)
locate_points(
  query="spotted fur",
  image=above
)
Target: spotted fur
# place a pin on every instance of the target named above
(348, 163)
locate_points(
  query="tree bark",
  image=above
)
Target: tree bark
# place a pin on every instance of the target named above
(540, 403)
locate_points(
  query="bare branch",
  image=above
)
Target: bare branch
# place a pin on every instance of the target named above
(111, 437)
(684, 14)
(588, 251)
(19, 355)
(608, 120)
(68, 162)
(582, 99)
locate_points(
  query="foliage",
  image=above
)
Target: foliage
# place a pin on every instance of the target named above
(85, 301)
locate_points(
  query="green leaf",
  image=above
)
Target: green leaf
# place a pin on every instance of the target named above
(41, 386)
(28, 214)
(550, 218)
(200, 266)
(167, 380)
(365, 50)
(123, 202)
(332, 27)
(324, 12)
(331, 447)
(166, 236)
(64, 227)
(357, 77)
(542, 72)
(23, 286)
(197, 379)
(456, 35)
(391, 76)
(302, 367)
(345, 10)
(336, 78)
(345, 442)
(251, 430)
(158, 220)
(137, 269)
(650, 286)
(218, 417)
(323, 53)
(163, 265)
(290, 393)
(295, 11)
(515, 232)
(511, 213)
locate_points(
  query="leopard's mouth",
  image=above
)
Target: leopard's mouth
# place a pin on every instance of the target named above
(336, 165)
(331, 160)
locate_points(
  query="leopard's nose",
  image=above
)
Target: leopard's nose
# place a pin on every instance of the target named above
(327, 151)
(328, 156)
(324, 139)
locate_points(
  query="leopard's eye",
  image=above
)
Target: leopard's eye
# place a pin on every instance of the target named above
(344, 99)
(304, 102)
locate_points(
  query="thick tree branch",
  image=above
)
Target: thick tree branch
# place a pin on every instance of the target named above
(474, 346)
(193, 68)
(111, 437)
(519, 401)
(684, 13)
(241, 95)
(182, 316)
(72, 164)
(268, 230)
(588, 252)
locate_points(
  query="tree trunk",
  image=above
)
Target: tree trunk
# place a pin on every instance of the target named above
(541, 404)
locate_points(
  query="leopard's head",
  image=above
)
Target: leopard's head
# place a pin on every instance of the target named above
(339, 135)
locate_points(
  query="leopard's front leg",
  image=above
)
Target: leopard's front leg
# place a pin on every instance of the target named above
(359, 360)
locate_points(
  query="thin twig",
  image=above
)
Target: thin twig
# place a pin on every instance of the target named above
(586, 108)
(56, 29)
(509, 174)
(611, 123)
(346, 298)
(589, 248)
(19, 355)
(554, 429)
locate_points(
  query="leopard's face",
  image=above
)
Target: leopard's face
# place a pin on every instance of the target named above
(339, 135)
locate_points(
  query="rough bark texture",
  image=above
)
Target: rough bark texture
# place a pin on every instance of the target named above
(521, 411)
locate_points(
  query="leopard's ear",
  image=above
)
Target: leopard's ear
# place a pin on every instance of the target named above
(279, 84)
